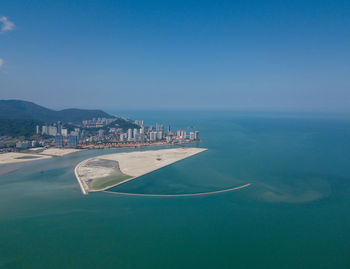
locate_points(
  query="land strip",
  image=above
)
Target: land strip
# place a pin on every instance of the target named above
(129, 164)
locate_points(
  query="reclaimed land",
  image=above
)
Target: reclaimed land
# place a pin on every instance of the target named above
(107, 171)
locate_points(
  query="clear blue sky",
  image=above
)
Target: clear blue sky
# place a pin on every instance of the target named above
(274, 55)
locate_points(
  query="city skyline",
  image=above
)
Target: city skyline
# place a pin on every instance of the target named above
(281, 56)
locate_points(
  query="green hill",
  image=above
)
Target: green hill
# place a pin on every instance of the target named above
(18, 109)
(18, 127)
(19, 118)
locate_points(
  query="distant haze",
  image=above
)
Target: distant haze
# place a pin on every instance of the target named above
(267, 55)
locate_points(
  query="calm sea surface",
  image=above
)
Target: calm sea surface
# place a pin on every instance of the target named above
(296, 213)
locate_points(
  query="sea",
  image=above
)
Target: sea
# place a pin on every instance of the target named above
(295, 213)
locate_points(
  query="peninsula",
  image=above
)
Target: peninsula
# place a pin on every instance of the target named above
(106, 171)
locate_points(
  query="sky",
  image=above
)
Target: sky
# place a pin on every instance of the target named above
(245, 55)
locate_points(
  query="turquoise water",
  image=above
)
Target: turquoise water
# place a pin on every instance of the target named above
(294, 215)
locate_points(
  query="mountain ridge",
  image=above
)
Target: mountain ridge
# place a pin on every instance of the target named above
(20, 109)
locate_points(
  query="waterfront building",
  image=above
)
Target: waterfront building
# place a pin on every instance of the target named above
(142, 137)
(192, 136)
(52, 130)
(181, 134)
(169, 138)
(59, 127)
(59, 141)
(196, 135)
(64, 132)
(159, 135)
(153, 136)
(135, 133)
(77, 131)
(44, 130)
(130, 137)
(72, 141)
(137, 137)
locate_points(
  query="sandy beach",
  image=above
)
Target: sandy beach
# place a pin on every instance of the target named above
(130, 165)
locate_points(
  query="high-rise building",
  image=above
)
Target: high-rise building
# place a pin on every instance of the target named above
(181, 134)
(59, 141)
(130, 135)
(59, 127)
(52, 130)
(153, 136)
(77, 131)
(196, 135)
(44, 130)
(64, 132)
(135, 133)
(159, 135)
(72, 141)
(192, 136)
(100, 134)
(169, 138)
(37, 129)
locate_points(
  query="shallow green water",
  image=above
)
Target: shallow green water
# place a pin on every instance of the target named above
(295, 214)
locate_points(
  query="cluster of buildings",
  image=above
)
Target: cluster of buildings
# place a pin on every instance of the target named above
(87, 135)
(97, 122)
(63, 137)
(148, 134)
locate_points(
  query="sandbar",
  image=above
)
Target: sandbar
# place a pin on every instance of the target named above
(58, 152)
(106, 171)
(17, 157)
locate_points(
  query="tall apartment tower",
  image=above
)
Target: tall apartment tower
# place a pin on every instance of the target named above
(130, 134)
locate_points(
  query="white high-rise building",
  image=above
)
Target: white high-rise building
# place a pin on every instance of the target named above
(100, 134)
(44, 130)
(130, 137)
(196, 135)
(153, 136)
(135, 133)
(181, 134)
(52, 130)
(192, 136)
(159, 135)
(64, 132)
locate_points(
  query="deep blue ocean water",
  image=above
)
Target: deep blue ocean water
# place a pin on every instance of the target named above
(296, 213)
